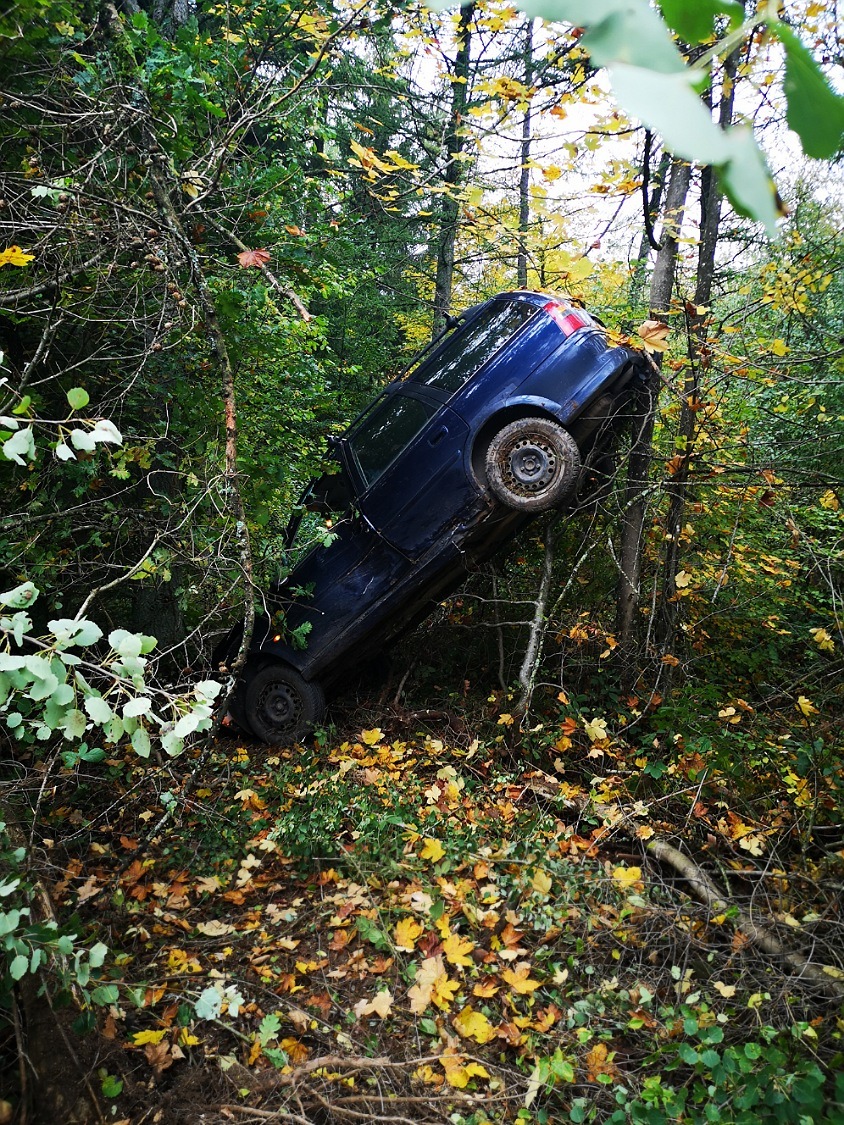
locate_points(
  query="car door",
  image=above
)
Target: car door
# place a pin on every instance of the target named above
(409, 452)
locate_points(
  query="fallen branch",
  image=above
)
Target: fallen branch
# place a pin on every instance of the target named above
(826, 977)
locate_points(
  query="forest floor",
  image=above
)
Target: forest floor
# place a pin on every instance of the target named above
(410, 924)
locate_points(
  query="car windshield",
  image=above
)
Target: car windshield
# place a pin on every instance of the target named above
(467, 350)
(384, 433)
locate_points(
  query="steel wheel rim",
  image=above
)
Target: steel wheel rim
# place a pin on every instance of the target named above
(280, 706)
(530, 465)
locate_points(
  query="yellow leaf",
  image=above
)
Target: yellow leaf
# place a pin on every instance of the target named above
(444, 992)
(370, 737)
(141, 1038)
(552, 172)
(726, 990)
(407, 933)
(474, 1025)
(519, 979)
(14, 256)
(488, 988)
(806, 707)
(432, 849)
(456, 949)
(596, 729)
(627, 876)
(644, 832)
(457, 1074)
(779, 347)
(682, 579)
(505, 720)
(829, 500)
(541, 881)
(823, 640)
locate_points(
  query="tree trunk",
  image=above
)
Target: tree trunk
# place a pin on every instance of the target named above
(454, 170)
(698, 317)
(639, 459)
(524, 175)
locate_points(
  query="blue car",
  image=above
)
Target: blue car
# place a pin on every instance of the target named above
(494, 423)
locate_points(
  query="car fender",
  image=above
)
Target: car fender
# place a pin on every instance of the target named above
(520, 406)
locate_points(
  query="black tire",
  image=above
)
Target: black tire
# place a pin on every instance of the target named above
(532, 464)
(280, 706)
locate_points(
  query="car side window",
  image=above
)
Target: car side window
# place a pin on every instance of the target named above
(391, 427)
(468, 350)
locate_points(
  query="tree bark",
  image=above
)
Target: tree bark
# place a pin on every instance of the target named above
(698, 317)
(639, 458)
(454, 170)
(524, 174)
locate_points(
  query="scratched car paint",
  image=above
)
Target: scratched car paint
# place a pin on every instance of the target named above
(495, 423)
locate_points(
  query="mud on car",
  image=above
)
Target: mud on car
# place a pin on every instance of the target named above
(497, 421)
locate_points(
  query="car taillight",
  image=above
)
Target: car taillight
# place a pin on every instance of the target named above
(568, 320)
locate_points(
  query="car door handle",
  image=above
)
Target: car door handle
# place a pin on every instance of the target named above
(438, 435)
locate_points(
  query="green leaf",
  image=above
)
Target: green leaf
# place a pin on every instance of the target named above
(141, 743)
(20, 447)
(815, 112)
(18, 966)
(747, 182)
(98, 709)
(669, 104)
(112, 1086)
(695, 21)
(105, 994)
(78, 398)
(633, 35)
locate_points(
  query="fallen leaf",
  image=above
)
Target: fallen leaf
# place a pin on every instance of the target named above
(474, 1025)
(726, 990)
(458, 1074)
(407, 933)
(380, 1005)
(215, 928)
(456, 949)
(432, 849)
(519, 979)
(14, 256)
(627, 876)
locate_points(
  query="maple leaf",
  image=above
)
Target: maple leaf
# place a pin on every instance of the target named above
(215, 928)
(596, 729)
(806, 707)
(423, 987)
(432, 849)
(541, 881)
(474, 1025)
(456, 949)
(14, 256)
(158, 1056)
(823, 640)
(627, 876)
(458, 1074)
(599, 1061)
(380, 1005)
(256, 258)
(519, 979)
(141, 1038)
(444, 992)
(371, 737)
(407, 933)
(485, 989)
(654, 335)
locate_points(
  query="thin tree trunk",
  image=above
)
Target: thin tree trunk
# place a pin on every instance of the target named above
(454, 170)
(698, 316)
(653, 184)
(639, 459)
(524, 176)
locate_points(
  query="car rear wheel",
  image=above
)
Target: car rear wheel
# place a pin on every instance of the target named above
(532, 464)
(280, 706)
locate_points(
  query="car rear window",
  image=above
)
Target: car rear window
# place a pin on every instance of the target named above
(391, 427)
(469, 349)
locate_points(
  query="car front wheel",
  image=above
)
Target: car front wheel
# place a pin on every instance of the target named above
(281, 706)
(532, 464)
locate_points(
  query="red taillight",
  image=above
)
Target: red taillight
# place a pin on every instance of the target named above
(568, 320)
